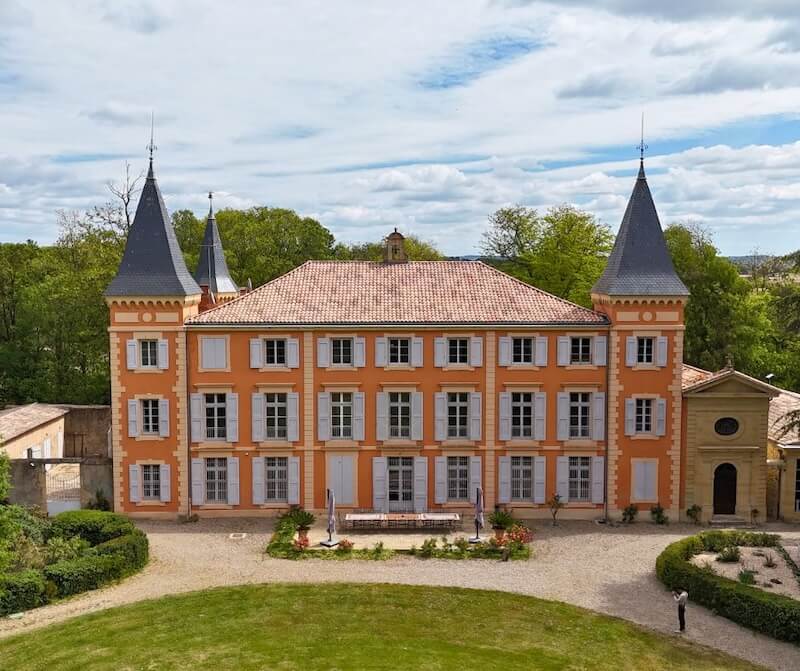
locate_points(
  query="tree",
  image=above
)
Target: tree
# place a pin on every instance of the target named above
(563, 252)
(416, 250)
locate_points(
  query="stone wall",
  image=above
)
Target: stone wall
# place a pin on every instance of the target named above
(28, 483)
(86, 430)
(96, 474)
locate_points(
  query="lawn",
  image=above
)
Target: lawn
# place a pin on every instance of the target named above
(347, 626)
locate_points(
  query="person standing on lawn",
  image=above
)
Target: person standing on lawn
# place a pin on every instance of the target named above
(681, 596)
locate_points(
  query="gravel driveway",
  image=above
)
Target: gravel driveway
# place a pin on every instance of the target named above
(610, 570)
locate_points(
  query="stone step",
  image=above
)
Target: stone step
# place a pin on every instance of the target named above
(728, 521)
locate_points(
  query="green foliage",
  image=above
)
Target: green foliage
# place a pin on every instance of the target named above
(629, 513)
(60, 549)
(730, 555)
(657, 514)
(693, 513)
(716, 541)
(769, 560)
(72, 576)
(747, 577)
(428, 548)
(303, 519)
(21, 591)
(94, 526)
(501, 519)
(5, 474)
(416, 250)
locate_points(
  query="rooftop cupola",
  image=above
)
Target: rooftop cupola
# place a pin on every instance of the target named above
(394, 250)
(212, 269)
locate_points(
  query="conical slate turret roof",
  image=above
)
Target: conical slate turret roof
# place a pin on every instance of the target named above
(640, 263)
(152, 264)
(212, 269)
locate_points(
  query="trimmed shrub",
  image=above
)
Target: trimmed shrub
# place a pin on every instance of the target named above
(95, 526)
(21, 591)
(84, 573)
(133, 547)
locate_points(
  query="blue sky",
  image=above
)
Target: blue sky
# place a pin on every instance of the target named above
(424, 116)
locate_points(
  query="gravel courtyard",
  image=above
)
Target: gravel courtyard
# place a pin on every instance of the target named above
(610, 570)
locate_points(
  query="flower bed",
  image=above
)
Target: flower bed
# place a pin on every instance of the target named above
(772, 614)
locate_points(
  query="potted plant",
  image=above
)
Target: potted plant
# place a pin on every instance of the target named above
(303, 520)
(500, 520)
(555, 504)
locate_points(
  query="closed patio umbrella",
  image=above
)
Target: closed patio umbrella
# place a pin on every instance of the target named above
(331, 520)
(479, 520)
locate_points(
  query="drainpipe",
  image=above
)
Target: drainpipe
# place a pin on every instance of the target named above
(189, 429)
(608, 399)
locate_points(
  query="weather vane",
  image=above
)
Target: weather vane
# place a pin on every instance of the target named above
(152, 146)
(642, 146)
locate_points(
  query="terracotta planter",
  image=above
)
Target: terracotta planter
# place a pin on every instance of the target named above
(302, 533)
(499, 532)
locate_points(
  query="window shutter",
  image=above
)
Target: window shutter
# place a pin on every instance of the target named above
(233, 481)
(440, 415)
(630, 351)
(562, 401)
(359, 352)
(416, 352)
(257, 417)
(163, 417)
(475, 479)
(256, 353)
(598, 479)
(440, 480)
(599, 415)
(630, 416)
(563, 350)
(165, 482)
(133, 483)
(292, 416)
(505, 415)
(292, 353)
(379, 484)
(345, 496)
(661, 416)
(540, 355)
(257, 464)
(380, 352)
(207, 360)
(504, 480)
(475, 415)
(420, 484)
(650, 470)
(416, 415)
(661, 351)
(293, 481)
(539, 415)
(232, 418)
(562, 478)
(476, 351)
(133, 418)
(323, 416)
(539, 479)
(198, 482)
(196, 417)
(504, 351)
(639, 480)
(132, 353)
(163, 354)
(358, 415)
(440, 352)
(323, 352)
(600, 346)
(382, 416)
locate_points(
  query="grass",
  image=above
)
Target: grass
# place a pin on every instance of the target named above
(345, 626)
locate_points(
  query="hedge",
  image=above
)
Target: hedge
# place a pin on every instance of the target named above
(22, 591)
(772, 614)
(94, 526)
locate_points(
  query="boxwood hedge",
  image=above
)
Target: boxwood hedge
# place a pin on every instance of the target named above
(772, 614)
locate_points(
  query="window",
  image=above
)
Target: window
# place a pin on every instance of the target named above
(457, 414)
(276, 479)
(341, 414)
(400, 474)
(148, 352)
(522, 350)
(213, 353)
(580, 478)
(215, 416)
(151, 481)
(399, 414)
(645, 346)
(216, 480)
(521, 478)
(457, 350)
(275, 416)
(579, 408)
(399, 350)
(275, 352)
(150, 415)
(457, 478)
(644, 415)
(342, 351)
(580, 350)
(522, 415)
(645, 475)
(726, 426)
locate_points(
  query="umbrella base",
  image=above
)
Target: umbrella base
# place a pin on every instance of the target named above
(332, 543)
(476, 539)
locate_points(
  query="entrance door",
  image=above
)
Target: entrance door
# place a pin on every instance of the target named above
(725, 490)
(400, 474)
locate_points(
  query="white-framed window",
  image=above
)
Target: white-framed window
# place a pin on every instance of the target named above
(645, 349)
(342, 351)
(580, 350)
(399, 350)
(457, 414)
(580, 478)
(216, 412)
(522, 350)
(216, 480)
(643, 422)
(151, 481)
(275, 413)
(580, 405)
(521, 478)
(458, 350)
(276, 479)
(457, 478)
(341, 414)
(213, 353)
(400, 476)
(148, 353)
(275, 351)
(522, 414)
(150, 416)
(399, 414)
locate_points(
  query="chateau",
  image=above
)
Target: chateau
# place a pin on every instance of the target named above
(404, 386)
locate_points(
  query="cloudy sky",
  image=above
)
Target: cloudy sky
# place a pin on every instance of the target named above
(423, 115)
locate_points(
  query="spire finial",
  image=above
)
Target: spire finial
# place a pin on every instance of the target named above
(641, 146)
(210, 204)
(151, 147)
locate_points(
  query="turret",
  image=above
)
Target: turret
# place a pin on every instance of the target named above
(212, 273)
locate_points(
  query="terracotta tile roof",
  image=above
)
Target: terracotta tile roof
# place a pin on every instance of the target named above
(420, 292)
(785, 402)
(691, 375)
(19, 420)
